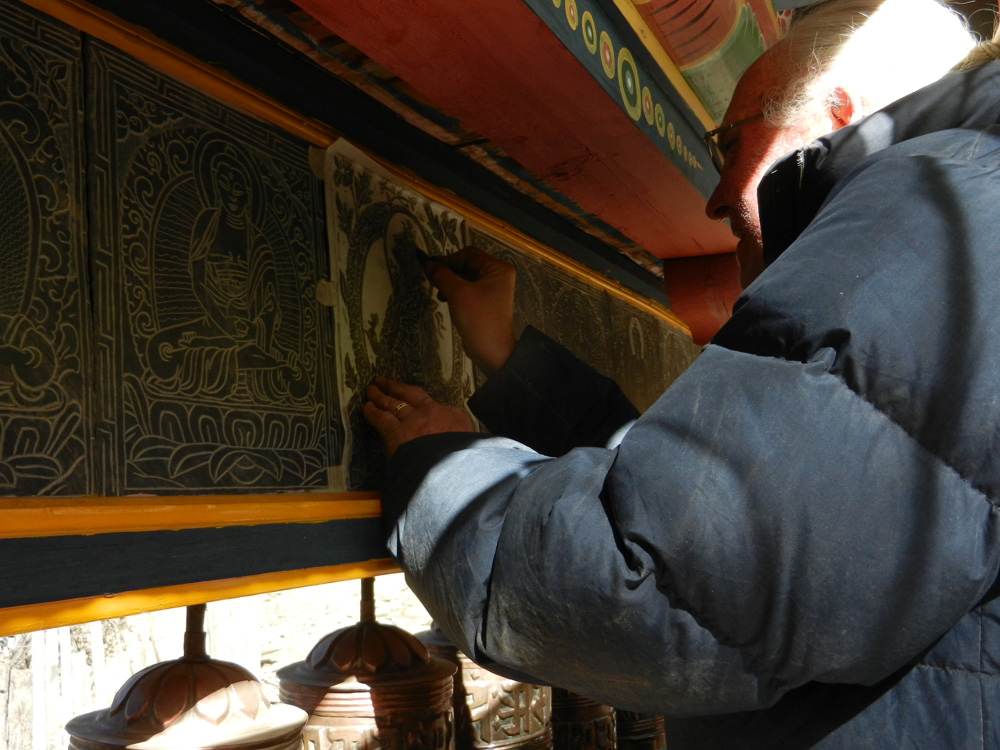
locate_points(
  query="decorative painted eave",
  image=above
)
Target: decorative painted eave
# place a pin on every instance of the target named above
(503, 72)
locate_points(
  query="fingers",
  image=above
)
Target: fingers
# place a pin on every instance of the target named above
(467, 261)
(380, 400)
(383, 421)
(443, 278)
(411, 394)
(470, 264)
(386, 396)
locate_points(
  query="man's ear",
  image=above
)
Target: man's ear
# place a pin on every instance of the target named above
(841, 109)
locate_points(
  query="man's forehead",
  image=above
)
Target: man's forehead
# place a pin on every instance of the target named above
(763, 76)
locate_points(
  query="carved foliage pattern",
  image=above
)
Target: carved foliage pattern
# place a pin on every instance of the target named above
(44, 402)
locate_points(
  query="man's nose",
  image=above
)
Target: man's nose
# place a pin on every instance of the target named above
(717, 207)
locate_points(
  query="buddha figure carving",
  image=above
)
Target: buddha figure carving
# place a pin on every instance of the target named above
(237, 344)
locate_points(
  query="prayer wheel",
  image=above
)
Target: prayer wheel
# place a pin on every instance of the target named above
(492, 711)
(191, 703)
(372, 687)
(637, 731)
(581, 724)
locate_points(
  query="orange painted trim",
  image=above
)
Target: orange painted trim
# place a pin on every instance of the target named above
(26, 518)
(31, 617)
(145, 46)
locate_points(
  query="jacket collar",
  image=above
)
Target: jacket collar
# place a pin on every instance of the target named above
(795, 187)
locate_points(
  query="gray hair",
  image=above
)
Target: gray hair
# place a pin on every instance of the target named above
(876, 50)
(982, 53)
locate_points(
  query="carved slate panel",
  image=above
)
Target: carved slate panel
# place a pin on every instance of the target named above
(389, 320)
(643, 353)
(578, 318)
(216, 364)
(44, 385)
(640, 364)
(529, 292)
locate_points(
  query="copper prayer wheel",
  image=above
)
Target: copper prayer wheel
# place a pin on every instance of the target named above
(637, 731)
(581, 724)
(372, 687)
(192, 703)
(492, 711)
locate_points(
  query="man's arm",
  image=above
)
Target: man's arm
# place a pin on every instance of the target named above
(725, 552)
(546, 398)
(537, 392)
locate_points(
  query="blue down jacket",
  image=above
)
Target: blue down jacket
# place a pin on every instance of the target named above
(795, 545)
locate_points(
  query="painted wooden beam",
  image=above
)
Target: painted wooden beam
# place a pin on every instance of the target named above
(500, 69)
(702, 292)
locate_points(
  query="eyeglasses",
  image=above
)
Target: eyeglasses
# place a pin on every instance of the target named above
(711, 139)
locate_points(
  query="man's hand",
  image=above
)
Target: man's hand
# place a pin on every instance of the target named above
(401, 412)
(479, 291)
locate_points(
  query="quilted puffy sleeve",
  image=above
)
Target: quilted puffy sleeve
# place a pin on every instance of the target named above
(817, 506)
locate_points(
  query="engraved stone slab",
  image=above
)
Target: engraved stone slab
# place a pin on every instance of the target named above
(578, 318)
(639, 362)
(216, 364)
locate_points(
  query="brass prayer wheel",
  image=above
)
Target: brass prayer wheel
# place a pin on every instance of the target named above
(581, 724)
(637, 731)
(492, 711)
(191, 703)
(372, 687)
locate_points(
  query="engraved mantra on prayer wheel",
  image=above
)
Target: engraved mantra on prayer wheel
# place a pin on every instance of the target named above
(492, 711)
(372, 687)
(581, 724)
(637, 731)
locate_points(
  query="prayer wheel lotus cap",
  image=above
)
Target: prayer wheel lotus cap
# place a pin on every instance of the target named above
(188, 704)
(370, 653)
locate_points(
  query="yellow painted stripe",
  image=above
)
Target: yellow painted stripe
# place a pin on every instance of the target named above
(638, 23)
(74, 611)
(145, 46)
(23, 518)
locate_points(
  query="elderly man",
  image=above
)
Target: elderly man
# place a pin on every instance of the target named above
(797, 544)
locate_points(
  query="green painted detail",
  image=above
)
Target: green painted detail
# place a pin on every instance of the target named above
(715, 78)
(607, 50)
(589, 32)
(628, 83)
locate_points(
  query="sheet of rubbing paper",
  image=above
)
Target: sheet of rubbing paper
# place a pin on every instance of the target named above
(389, 321)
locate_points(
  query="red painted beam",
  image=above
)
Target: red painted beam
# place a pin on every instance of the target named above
(702, 292)
(497, 68)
